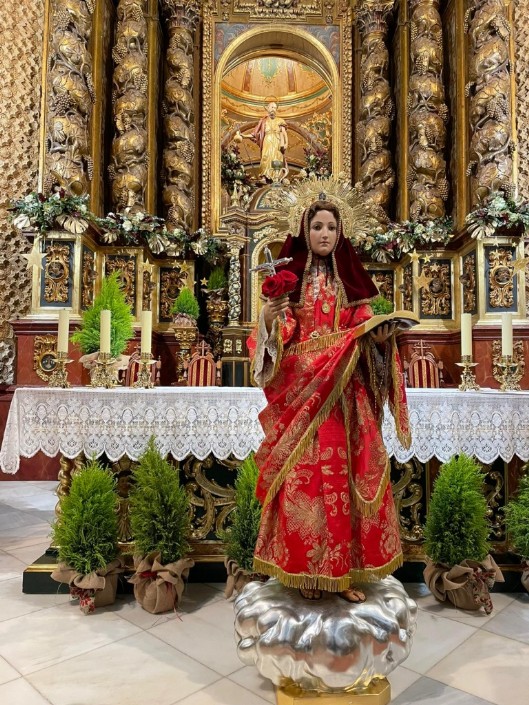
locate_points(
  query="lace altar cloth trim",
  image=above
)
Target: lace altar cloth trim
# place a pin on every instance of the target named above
(224, 421)
(488, 424)
(186, 421)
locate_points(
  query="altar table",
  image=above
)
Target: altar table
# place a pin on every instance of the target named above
(223, 422)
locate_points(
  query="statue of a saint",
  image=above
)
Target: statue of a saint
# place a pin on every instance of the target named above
(270, 134)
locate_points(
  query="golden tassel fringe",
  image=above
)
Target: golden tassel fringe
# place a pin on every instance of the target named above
(309, 434)
(324, 582)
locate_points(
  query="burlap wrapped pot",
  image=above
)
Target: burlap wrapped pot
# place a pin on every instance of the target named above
(158, 588)
(96, 589)
(238, 577)
(466, 585)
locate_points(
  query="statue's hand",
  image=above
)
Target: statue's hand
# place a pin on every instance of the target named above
(381, 333)
(274, 308)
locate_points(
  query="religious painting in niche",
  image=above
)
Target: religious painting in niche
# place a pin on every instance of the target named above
(276, 124)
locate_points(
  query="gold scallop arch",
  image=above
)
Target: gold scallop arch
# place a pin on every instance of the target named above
(277, 40)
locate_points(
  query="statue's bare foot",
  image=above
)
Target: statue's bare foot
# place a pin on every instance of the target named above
(353, 594)
(310, 593)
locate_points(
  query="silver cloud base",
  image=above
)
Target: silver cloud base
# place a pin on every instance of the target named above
(325, 645)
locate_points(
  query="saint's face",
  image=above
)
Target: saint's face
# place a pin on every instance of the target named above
(323, 233)
(272, 110)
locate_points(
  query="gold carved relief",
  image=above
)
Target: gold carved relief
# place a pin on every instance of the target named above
(501, 278)
(407, 287)
(210, 502)
(468, 279)
(70, 95)
(179, 132)
(57, 273)
(495, 496)
(21, 69)
(408, 495)
(384, 282)
(428, 113)
(283, 9)
(129, 156)
(491, 146)
(171, 282)
(376, 106)
(88, 276)
(44, 355)
(521, 34)
(435, 296)
(126, 266)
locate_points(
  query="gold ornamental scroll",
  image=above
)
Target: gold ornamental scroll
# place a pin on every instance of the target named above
(69, 96)
(427, 113)
(521, 33)
(377, 109)
(128, 162)
(490, 90)
(179, 113)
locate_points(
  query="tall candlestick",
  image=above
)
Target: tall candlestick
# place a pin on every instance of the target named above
(146, 332)
(466, 334)
(104, 332)
(506, 334)
(63, 330)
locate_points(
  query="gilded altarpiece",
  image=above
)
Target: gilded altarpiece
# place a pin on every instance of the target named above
(317, 35)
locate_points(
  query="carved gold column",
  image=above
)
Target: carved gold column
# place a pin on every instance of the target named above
(179, 112)
(376, 105)
(129, 156)
(491, 144)
(427, 113)
(69, 96)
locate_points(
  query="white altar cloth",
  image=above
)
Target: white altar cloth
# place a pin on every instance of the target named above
(224, 421)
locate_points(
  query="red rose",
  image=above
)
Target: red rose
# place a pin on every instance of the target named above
(278, 284)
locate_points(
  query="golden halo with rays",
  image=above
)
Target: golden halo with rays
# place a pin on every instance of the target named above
(359, 221)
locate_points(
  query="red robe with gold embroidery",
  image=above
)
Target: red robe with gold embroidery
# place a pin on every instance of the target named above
(324, 478)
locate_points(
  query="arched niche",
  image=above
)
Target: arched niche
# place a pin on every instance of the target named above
(279, 40)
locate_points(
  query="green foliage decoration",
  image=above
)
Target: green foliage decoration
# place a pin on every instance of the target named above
(86, 531)
(456, 526)
(186, 303)
(381, 305)
(159, 508)
(217, 279)
(241, 537)
(517, 516)
(112, 298)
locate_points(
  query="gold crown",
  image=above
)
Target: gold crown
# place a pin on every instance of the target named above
(357, 216)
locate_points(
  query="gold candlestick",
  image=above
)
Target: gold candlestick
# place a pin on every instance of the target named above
(509, 374)
(144, 375)
(468, 378)
(103, 375)
(59, 376)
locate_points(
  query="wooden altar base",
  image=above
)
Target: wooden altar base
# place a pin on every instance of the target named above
(377, 693)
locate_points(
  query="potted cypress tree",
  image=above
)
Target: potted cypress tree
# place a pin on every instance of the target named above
(161, 525)
(86, 532)
(112, 298)
(240, 538)
(186, 312)
(517, 521)
(459, 567)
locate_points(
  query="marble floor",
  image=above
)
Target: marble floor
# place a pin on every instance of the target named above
(51, 653)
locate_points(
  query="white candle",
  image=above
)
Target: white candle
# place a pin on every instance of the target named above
(506, 334)
(104, 331)
(466, 334)
(63, 330)
(146, 332)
